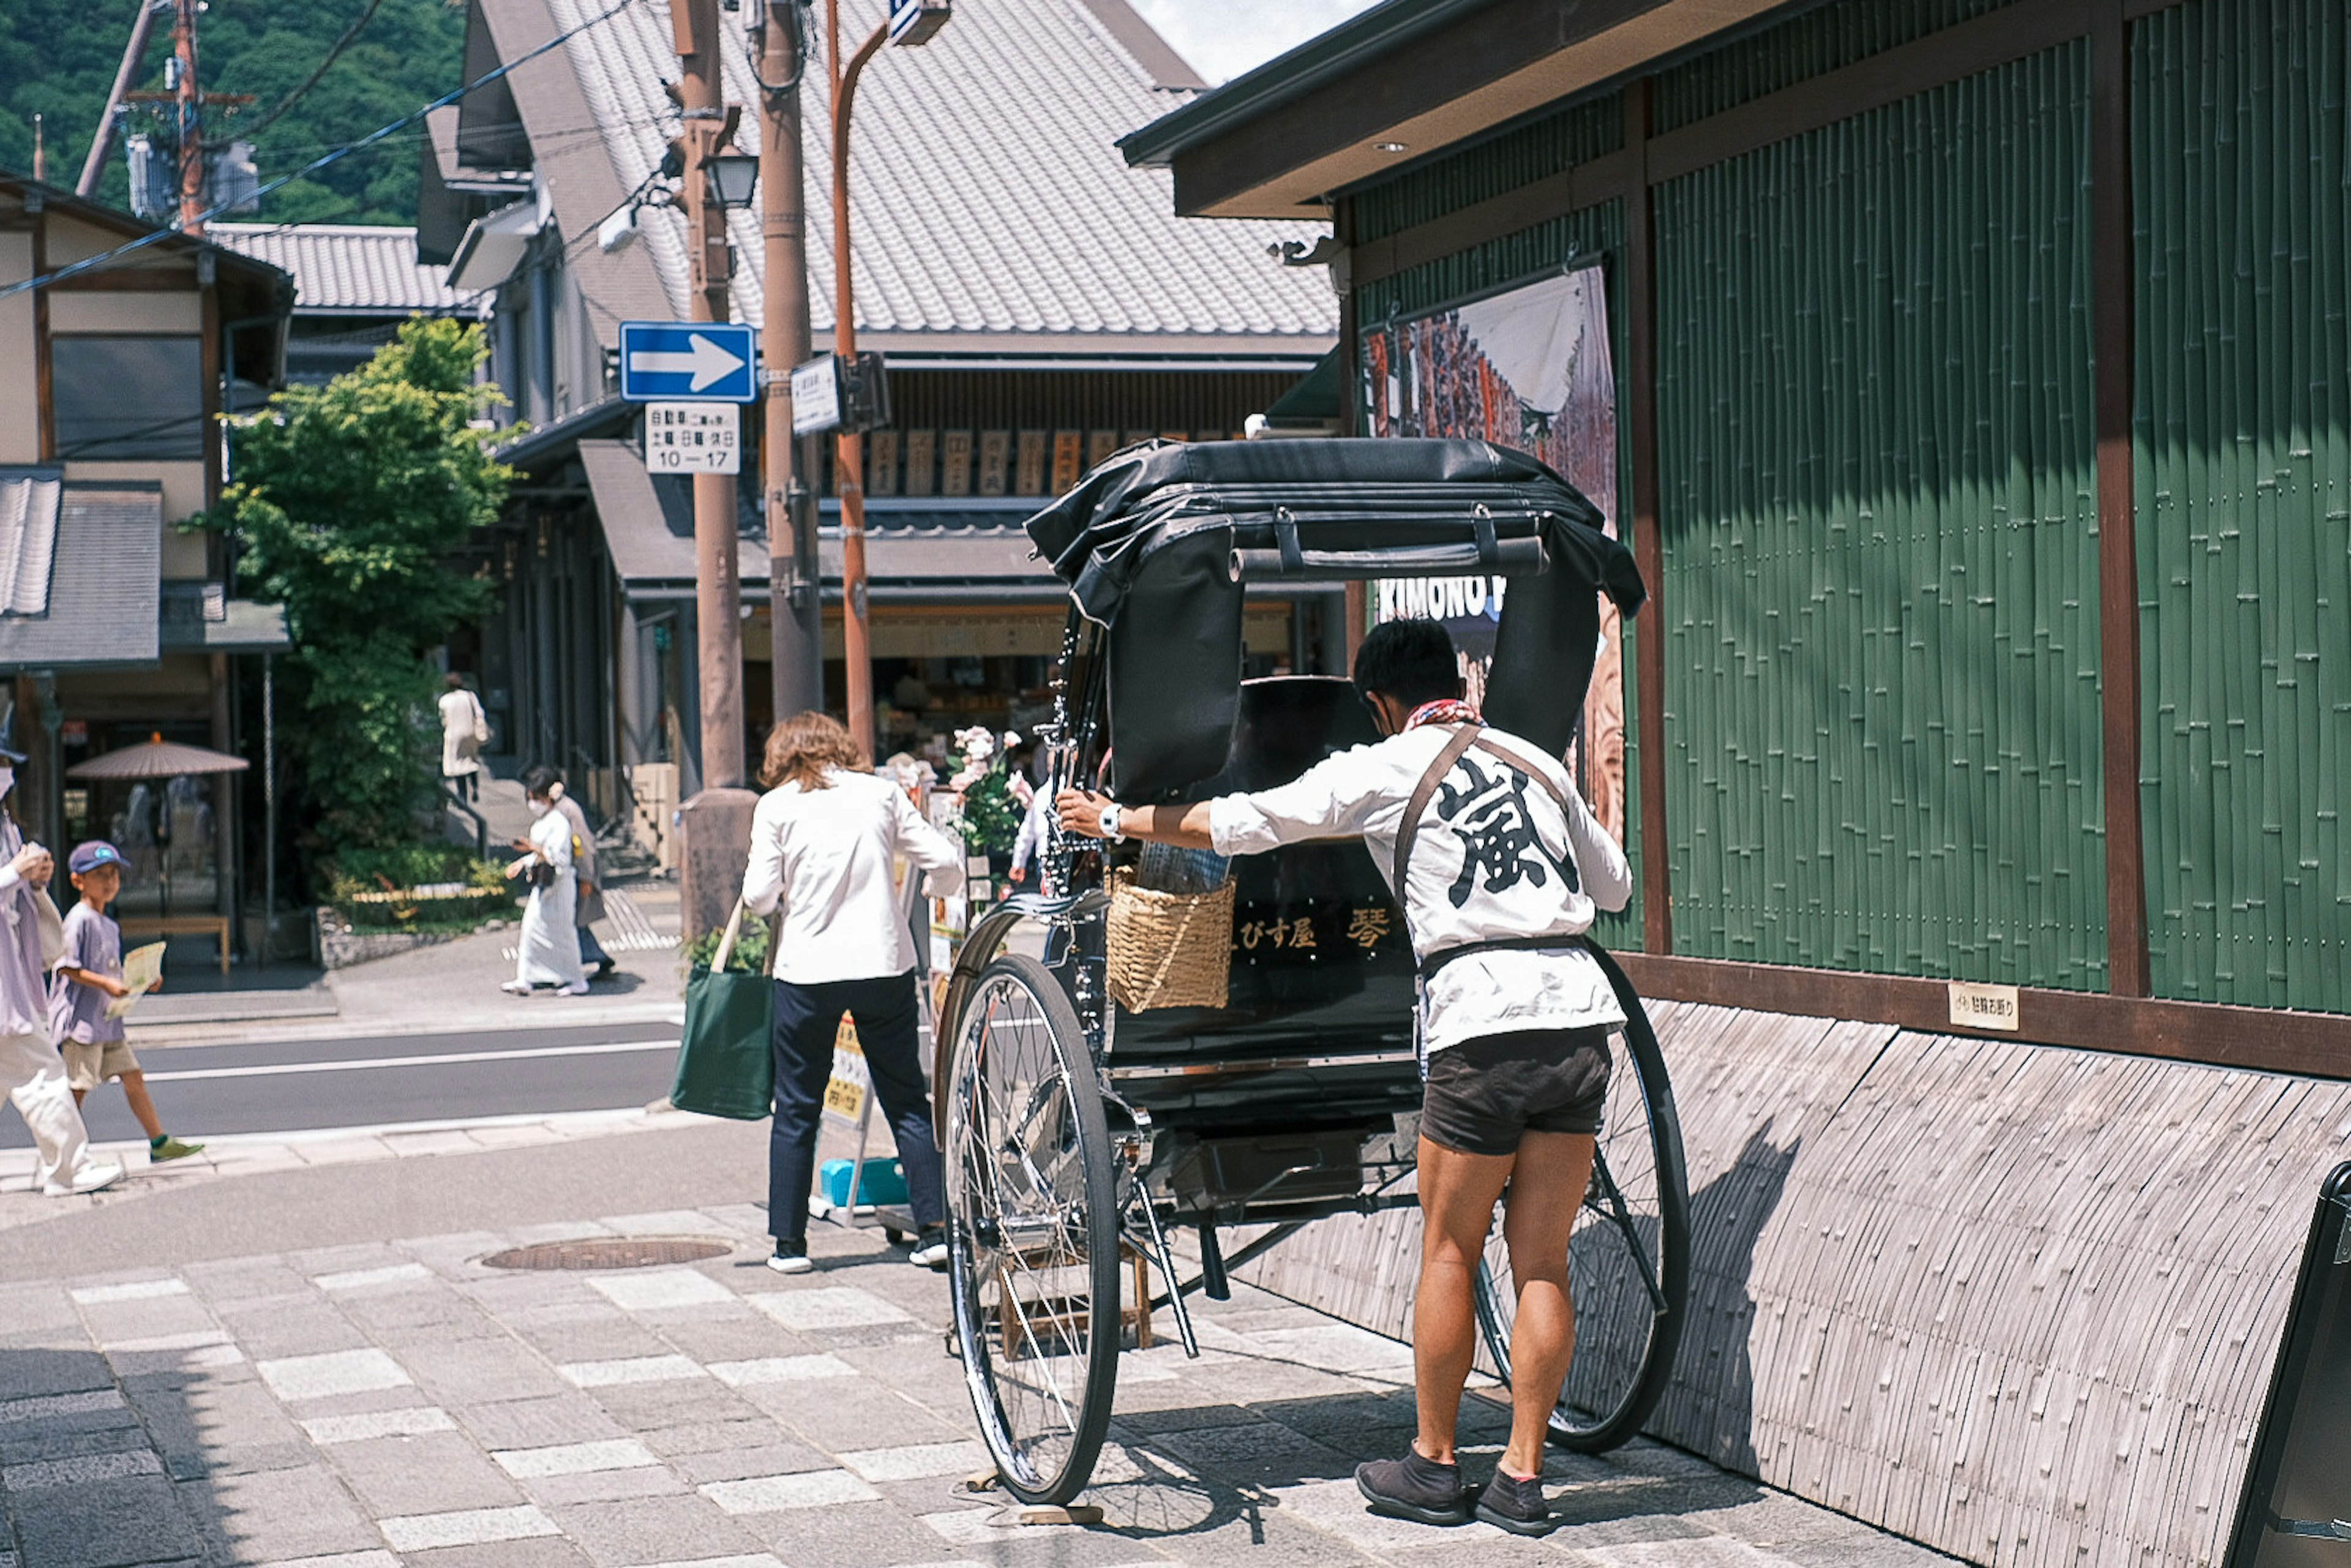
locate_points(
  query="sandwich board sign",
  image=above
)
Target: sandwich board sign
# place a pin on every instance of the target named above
(688, 362)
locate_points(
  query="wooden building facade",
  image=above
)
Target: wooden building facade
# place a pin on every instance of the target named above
(1983, 390)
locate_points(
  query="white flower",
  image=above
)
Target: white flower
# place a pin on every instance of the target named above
(977, 743)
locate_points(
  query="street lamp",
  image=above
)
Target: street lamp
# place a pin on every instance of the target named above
(910, 22)
(734, 178)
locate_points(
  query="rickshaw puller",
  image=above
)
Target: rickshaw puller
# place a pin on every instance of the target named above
(1514, 1024)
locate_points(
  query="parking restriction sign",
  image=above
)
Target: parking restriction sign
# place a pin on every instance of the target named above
(694, 438)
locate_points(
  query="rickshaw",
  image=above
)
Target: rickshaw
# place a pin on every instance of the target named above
(1083, 1135)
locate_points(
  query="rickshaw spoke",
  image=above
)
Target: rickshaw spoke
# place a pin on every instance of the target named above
(1614, 1197)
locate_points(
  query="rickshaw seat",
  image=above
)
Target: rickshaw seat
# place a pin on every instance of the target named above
(1323, 974)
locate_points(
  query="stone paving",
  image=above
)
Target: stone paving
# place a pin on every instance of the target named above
(375, 1405)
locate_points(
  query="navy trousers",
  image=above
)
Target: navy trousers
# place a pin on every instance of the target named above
(806, 1020)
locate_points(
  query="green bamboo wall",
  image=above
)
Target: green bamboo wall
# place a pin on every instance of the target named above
(2243, 370)
(1500, 162)
(1523, 257)
(1790, 51)
(1879, 526)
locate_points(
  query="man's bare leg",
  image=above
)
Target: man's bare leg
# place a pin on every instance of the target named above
(1458, 1192)
(1546, 1191)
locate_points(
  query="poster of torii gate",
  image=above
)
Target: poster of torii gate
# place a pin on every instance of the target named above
(1528, 369)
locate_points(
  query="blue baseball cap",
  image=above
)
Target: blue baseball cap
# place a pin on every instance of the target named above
(88, 857)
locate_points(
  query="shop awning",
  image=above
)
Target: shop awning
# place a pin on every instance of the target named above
(82, 568)
(940, 549)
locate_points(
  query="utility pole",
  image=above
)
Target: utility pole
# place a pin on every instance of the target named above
(718, 590)
(189, 115)
(135, 53)
(795, 602)
(849, 460)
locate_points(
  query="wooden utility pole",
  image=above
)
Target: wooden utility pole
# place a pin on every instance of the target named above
(718, 588)
(849, 461)
(135, 53)
(795, 602)
(190, 116)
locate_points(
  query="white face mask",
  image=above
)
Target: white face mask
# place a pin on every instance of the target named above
(8, 779)
(540, 808)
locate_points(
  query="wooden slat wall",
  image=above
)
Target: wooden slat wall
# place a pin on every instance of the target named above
(2015, 1301)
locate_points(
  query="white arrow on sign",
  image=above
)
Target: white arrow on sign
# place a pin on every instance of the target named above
(706, 360)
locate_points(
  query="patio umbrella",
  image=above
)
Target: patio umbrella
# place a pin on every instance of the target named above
(158, 759)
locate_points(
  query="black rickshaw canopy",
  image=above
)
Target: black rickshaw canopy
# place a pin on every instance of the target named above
(1159, 544)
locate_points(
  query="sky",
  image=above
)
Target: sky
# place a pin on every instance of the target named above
(1222, 39)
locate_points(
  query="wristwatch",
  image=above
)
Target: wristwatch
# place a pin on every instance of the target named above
(1108, 821)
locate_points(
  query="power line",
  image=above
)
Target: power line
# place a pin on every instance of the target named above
(94, 262)
(334, 53)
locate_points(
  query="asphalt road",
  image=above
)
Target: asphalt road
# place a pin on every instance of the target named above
(202, 1091)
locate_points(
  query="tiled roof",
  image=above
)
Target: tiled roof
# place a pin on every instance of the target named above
(349, 268)
(28, 538)
(990, 198)
(101, 607)
(947, 547)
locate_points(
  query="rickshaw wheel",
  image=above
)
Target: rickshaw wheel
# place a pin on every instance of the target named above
(1628, 1257)
(1032, 1232)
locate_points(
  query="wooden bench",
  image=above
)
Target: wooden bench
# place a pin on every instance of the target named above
(213, 926)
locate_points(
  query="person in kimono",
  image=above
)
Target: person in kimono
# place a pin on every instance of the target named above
(549, 953)
(1513, 1025)
(32, 1073)
(589, 905)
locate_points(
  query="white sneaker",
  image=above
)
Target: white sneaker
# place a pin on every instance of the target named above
(93, 1178)
(579, 988)
(517, 987)
(930, 1248)
(786, 1262)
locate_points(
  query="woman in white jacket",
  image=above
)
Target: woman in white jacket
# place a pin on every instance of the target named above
(824, 840)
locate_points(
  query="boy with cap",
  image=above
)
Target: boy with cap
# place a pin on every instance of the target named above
(30, 1070)
(88, 974)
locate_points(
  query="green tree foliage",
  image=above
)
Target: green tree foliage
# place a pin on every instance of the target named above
(349, 503)
(58, 58)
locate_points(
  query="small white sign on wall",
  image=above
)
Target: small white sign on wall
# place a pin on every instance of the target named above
(1975, 1005)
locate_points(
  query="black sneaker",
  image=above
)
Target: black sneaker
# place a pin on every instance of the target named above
(1415, 1488)
(1509, 1503)
(792, 1258)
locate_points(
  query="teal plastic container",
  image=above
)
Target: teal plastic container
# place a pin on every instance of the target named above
(882, 1182)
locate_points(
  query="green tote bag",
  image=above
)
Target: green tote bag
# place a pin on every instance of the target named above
(726, 1064)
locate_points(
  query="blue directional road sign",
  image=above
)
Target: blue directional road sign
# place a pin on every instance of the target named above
(688, 362)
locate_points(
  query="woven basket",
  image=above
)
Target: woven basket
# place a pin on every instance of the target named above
(1169, 950)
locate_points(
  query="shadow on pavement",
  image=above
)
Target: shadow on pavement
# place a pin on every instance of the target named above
(139, 1455)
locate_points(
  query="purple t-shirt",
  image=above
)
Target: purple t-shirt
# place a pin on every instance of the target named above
(77, 1012)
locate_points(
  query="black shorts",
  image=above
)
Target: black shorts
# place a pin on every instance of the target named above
(1483, 1093)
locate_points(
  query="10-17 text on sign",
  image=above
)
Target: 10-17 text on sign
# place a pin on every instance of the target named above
(694, 438)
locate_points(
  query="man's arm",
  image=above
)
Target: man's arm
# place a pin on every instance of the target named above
(1185, 826)
(1607, 880)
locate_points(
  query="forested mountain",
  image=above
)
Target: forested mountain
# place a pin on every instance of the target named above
(58, 57)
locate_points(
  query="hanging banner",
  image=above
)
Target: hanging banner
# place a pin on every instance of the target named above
(1527, 368)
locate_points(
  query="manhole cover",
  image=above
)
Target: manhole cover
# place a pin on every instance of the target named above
(610, 1252)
